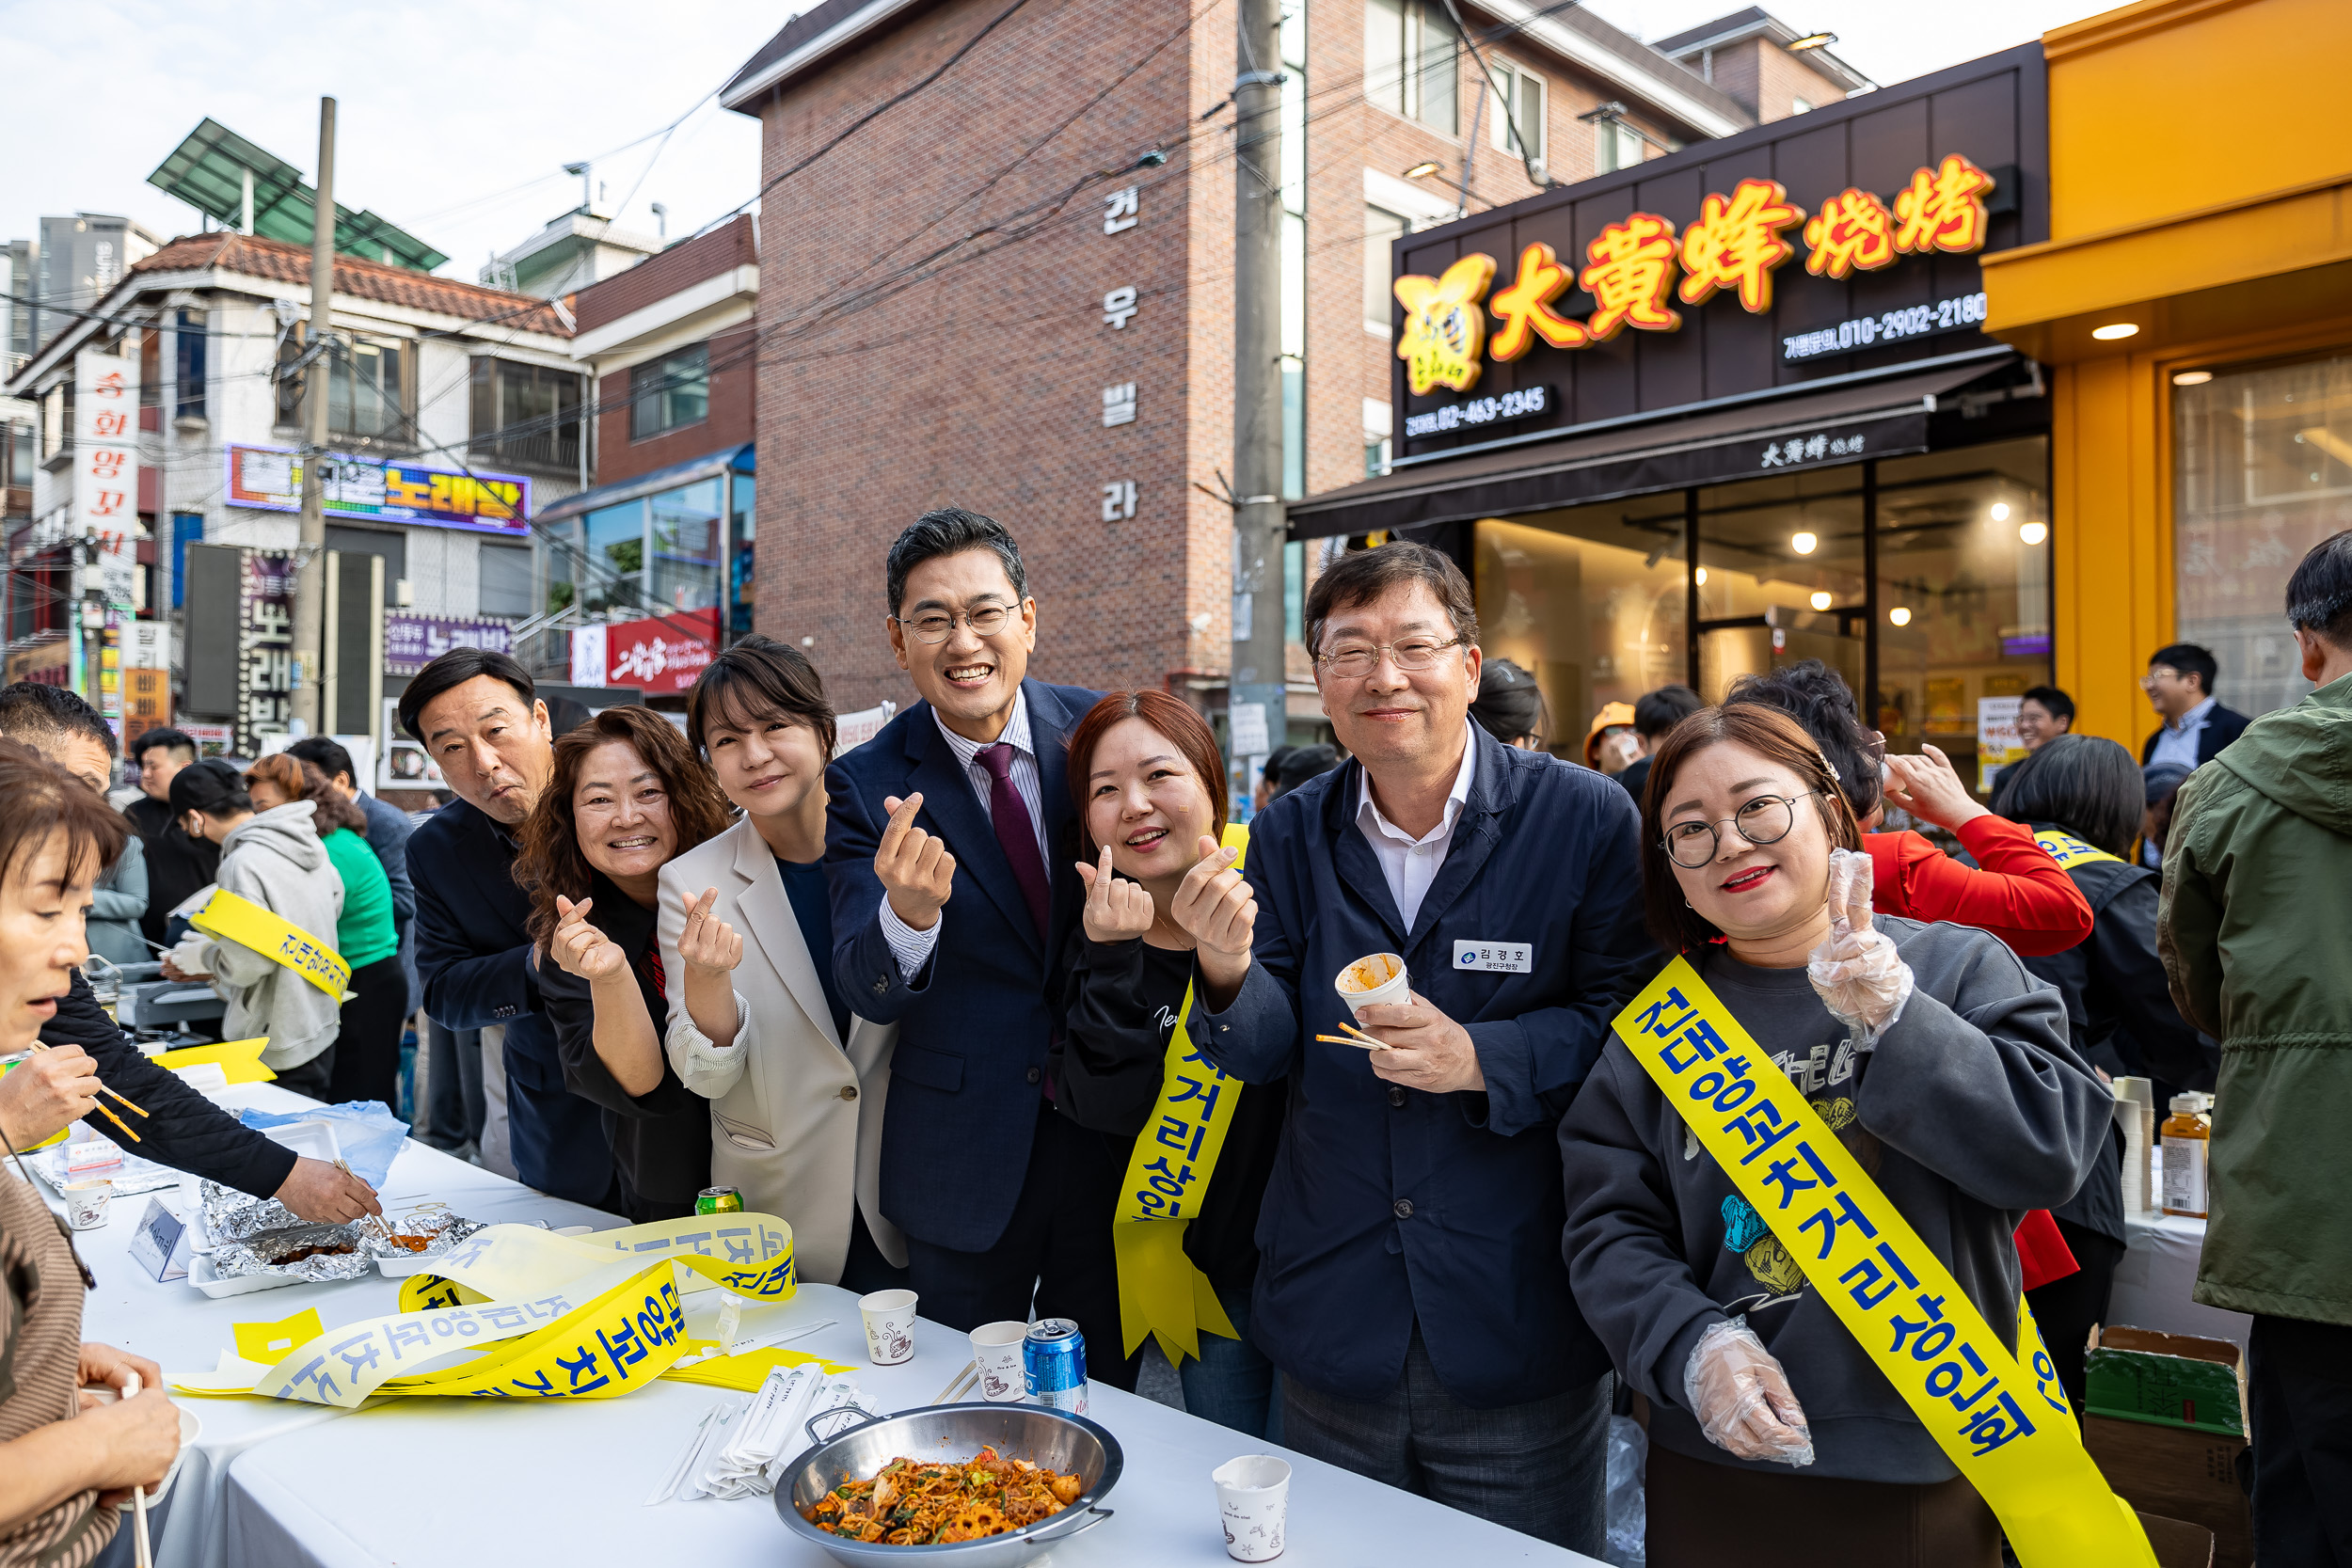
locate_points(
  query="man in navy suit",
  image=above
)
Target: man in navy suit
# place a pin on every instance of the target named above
(2179, 683)
(1000, 1194)
(477, 717)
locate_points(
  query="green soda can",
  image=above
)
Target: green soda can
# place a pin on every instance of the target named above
(719, 1201)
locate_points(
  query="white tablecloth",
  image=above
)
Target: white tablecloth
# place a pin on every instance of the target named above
(2156, 1280)
(494, 1481)
(183, 1331)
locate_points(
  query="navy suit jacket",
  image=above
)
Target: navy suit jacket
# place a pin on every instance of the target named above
(1388, 1205)
(976, 1022)
(2222, 726)
(473, 952)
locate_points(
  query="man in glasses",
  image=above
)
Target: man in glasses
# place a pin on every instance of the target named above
(952, 902)
(2179, 683)
(1412, 1290)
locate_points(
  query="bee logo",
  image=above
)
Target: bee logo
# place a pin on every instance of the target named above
(1445, 327)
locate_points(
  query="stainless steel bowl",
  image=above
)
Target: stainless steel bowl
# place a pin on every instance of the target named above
(1047, 1438)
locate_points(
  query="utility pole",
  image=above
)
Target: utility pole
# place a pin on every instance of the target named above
(310, 617)
(1258, 511)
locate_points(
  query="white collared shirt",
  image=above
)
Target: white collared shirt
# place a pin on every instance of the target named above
(1411, 864)
(2178, 743)
(910, 946)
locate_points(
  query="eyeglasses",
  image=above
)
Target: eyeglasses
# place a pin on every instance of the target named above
(1355, 660)
(1766, 820)
(937, 626)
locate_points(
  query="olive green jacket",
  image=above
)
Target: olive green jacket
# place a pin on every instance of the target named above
(2255, 929)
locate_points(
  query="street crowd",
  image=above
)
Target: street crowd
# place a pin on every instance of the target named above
(965, 1000)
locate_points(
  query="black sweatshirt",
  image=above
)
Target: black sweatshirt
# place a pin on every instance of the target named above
(1124, 999)
(181, 1129)
(177, 864)
(660, 1140)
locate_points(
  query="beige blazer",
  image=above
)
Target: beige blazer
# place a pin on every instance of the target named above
(795, 1112)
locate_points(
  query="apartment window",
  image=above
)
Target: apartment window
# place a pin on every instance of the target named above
(505, 578)
(1521, 93)
(371, 386)
(188, 367)
(1382, 229)
(57, 418)
(1409, 66)
(669, 392)
(20, 454)
(1617, 144)
(527, 414)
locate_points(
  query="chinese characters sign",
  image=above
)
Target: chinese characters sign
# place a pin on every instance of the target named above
(105, 467)
(1637, 267)
(270, 480)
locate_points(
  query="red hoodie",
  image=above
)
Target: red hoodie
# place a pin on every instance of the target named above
(2020, 895)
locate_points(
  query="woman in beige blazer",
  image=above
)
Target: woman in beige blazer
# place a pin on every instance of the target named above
(796, 1082)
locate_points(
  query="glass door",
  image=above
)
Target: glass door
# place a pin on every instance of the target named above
(1782, 578)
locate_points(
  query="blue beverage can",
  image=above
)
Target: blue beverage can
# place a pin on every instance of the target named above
(1054, 1365)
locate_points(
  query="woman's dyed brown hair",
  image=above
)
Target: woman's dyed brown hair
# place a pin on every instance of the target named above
(297, 780)
(1173, 718)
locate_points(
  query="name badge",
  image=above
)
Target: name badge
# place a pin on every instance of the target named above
(1494, 958)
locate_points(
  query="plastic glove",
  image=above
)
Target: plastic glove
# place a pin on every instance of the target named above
(188, 957)
(1741, 1396)
(1857, 974)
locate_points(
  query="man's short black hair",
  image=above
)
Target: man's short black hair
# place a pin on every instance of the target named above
(1304, 763)
(213, 786)
(328, 756)
(456, 668)
(2189, 659)
(2319, 595)
(32, 713)
(179, 742)
(1361, 577)
(951, 531)
(1656, 712)
(2054, 702)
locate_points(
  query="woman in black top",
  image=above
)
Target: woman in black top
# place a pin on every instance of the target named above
(2118, 1007)
(1145, 773)
(626, 797)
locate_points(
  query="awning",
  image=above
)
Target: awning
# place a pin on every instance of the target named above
(595, 496)
(1817, 429)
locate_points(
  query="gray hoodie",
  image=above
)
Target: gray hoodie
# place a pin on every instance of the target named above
(276, 860)
(1970, 1110)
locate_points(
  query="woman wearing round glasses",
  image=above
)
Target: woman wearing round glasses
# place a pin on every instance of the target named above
(1939, 1062)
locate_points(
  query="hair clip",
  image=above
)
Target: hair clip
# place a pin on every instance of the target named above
(1831, 769)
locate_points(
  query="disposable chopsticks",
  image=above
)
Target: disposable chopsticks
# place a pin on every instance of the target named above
(963, 1380)
(382, 1226)
(1347, 1039)
(43, 1045)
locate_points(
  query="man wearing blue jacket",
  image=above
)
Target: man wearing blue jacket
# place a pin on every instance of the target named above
(1411, 1288)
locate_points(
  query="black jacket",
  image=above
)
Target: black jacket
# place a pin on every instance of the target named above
(660, 1140)
(177, 864)
(2222, 725)
(181, 1129)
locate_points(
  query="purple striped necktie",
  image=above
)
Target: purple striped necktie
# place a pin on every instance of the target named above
(1016, 835)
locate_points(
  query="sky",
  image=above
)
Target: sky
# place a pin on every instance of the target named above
(457, 115)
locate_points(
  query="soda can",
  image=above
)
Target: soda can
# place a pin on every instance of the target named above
(1054, 1365)
(719, 1201)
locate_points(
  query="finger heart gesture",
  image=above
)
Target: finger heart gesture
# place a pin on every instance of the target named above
(709, 942)
(581, 948)
(1116, 909)
(1215, 904)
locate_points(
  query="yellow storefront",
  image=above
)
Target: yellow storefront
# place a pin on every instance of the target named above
(2194, 302)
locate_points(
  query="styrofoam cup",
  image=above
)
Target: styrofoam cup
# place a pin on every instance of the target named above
(1253, 1496)
(1354, 991)
(889, 1327)
(997, 1356)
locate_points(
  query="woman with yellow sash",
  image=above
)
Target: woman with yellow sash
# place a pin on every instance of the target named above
(1944, 1099)
(1145, 775)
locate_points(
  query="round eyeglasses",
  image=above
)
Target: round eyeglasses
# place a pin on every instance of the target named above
(937, 626)
(1766, 820)
(1355, 660)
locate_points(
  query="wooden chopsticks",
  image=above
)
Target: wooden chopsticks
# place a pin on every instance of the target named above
(42, 1045)
(1356, 1038)
(964, 1383)
(382, 1226)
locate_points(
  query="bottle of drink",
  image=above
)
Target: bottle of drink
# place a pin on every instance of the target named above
(2186, 1135)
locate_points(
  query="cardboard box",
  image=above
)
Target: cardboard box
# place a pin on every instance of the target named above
(2166, 1425)
(2177, 1545)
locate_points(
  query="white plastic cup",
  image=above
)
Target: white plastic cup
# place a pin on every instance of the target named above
(996, 1356)
(1253, 1496)
(889, 1327)
(1376, 979)
(85, 1203)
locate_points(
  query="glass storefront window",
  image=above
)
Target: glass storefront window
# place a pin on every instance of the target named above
(2262, 472)
(1783, 580)
(685, 539)
(613, 578)
(739, 563)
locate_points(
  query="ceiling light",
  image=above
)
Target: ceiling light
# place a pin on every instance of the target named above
(2033, 533)
(1899, 616)
(1700, 576)
(1423, 169)
(1812, 40)
(1803, 544)
(2000, 511)
(1822, 599)
(2192, 378)
(2115, 330)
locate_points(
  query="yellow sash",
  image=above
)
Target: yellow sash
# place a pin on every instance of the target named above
(229, 918)
(2068, 851)
(2006, 1426)
(1160, 1291)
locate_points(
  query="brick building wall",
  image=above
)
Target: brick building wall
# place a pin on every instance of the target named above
(1769, 80)
(731, 422)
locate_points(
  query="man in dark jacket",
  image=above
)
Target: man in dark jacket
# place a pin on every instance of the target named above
(44, 1093)
(176, 864)
(1412, 1289)
(2179, 683)
(476, 716)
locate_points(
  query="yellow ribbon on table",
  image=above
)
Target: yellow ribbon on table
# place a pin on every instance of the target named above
(2005, 1426)
(2068, 851)
(555, 1317)
(240, 1061)
(228, 918)
(1161, 1292)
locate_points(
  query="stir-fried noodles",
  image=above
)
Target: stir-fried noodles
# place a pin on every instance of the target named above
(912, 1504)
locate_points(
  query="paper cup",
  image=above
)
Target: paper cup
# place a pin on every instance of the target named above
(1376, 979)
(1253, 1496)
(997, 1356)
(85, 1203)
(889, 1327)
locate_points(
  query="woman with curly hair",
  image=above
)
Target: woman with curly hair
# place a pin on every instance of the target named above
(626, 797)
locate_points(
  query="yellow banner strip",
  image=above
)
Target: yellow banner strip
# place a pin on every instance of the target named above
(2067, 849)
(229, 918)
(2008, 1430)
